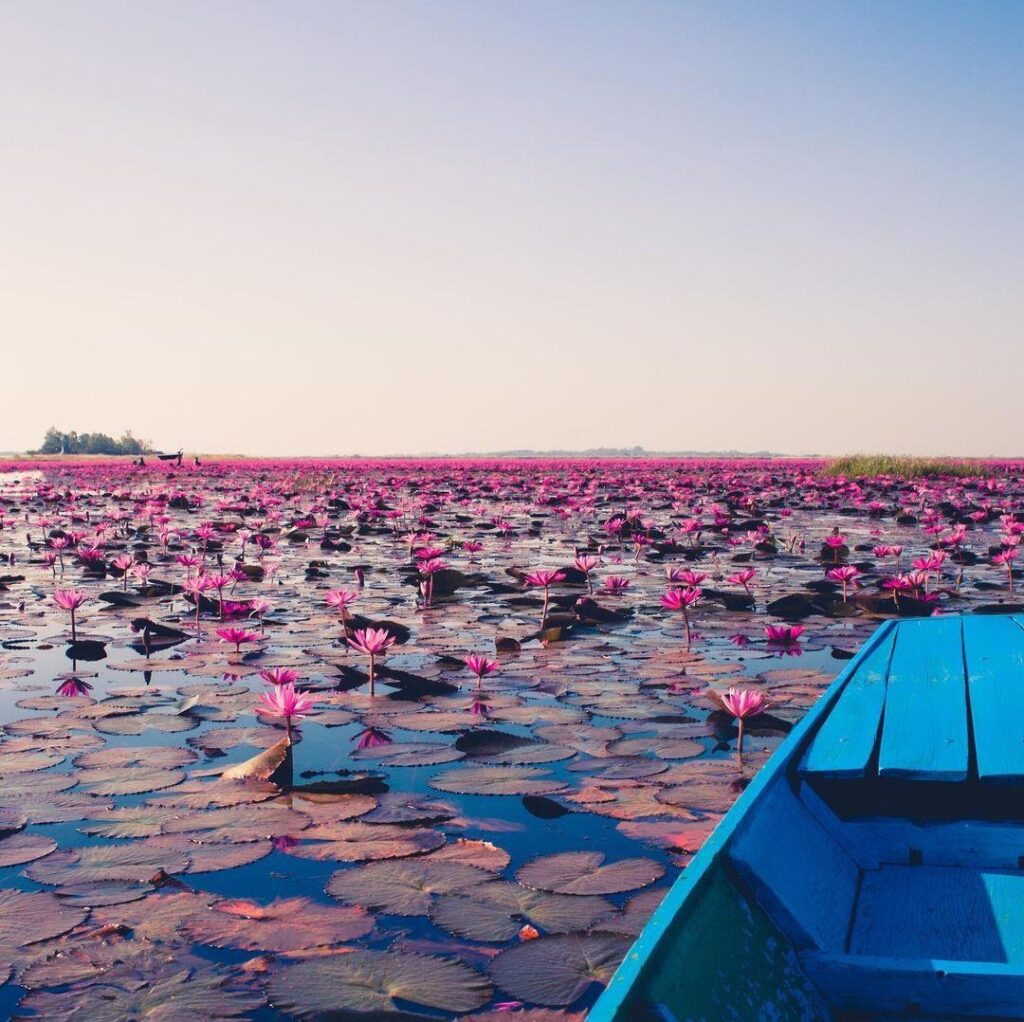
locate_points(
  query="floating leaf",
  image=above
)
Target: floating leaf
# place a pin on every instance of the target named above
(488, 780)
(286, 924)
(180, 995)
(205, 795)
(150, 756)
(21, 848)
(404, 887)
(411, 754)
(129, 821)
(132, 780)
(360, 842)
(138, 723)
(582, 873)
(237, 824)
(27, 917)
(401, 807)
(497, 911)
(558, 970)
(106, 892)
(137, 861)
(473, 853)
(373, 981)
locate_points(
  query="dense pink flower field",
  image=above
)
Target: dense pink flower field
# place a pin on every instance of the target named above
(409, 739)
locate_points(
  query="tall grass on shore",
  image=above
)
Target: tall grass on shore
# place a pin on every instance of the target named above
(899, 466)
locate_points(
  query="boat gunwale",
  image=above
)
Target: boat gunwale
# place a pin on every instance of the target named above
(695, 874)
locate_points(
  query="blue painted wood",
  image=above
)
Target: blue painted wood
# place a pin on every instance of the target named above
(798, 872)
(946, 912)
(876, 841)
(924, 730)
(906, 988)
(638, 971)
(845, 744)
(994, 652)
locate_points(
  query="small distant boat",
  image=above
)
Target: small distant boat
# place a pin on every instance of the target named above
(176, 456)
(874, 868)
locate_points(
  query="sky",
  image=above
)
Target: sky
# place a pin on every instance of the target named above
(288, 227)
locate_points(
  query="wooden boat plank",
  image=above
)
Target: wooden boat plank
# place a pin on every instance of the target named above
(924, 729)
(845, 743)
(877, 841)
(907, 987)
(994, 653)
(940, 912)
(806, 883)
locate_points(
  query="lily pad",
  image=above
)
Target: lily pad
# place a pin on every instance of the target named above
(558, 970)
(494, 780)
(285, 924)
(498, 911)
(367, 982)
(582, 873)
(406, 887)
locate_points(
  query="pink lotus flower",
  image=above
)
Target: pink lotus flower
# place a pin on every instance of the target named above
(886, 550)
(280, 676)
(835, 543)
(195, 587)
(846, 575)
(742, 703)
(237, 636)
(744, 578)
(188, 562)
(1006, 558)
(70, 600)
(545, 577)
(73, 687)
(472, 547)
(481, 667)
(283, 701)
(587, 563)
(682, 600)
(615, 585)
(123, 563)
(60, 544)
(685, 577)
(372, 642)
(259, 606)
(220, 583)
(896, 585)
(783, 635)
(341, 600)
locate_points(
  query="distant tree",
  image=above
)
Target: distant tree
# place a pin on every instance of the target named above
(56, 442)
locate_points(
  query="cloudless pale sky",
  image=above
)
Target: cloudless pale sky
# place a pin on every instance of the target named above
(299, 227)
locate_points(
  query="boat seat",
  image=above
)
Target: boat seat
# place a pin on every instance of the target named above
(865, 987)
(931, 938)
(910, 710)
(947, 912)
